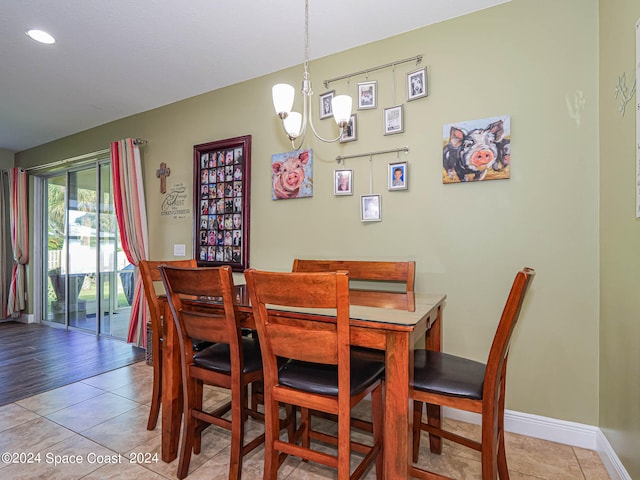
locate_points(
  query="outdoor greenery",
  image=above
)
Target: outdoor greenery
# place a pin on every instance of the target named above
(86, 200)
(88, 292)
(55, 204)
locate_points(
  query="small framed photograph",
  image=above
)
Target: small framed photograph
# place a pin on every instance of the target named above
(393, 120)
(398, 176)
(370, 208)
(326, 110)
(417, 84)
(367, 93)
(342, 182)
(350, 132)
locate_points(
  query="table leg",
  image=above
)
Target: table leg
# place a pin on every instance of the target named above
(171, 379)
(398, 410)
(433, 341)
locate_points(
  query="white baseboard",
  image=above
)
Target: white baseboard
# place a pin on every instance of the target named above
(553, 430)
(610, 459)
(23, 318)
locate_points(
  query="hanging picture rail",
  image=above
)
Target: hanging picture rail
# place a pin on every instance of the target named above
(417, 59)
(341, 158)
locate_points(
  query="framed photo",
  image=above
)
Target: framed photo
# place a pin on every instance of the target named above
(367, 94)
(370, 208)
(342, 182)
(221, 179)
(326, 110)
(417, 84)
(393, 120)
(398, 176)
(350, 132)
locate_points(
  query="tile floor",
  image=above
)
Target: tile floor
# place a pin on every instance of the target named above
(93, 429)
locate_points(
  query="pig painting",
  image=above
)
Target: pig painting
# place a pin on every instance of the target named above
(477, 150)
(292, 175)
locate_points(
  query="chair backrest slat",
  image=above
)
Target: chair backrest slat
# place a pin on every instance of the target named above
(374, 273)
(184, 286)
(305, 338)
(320, 346)
(150, 274)
(498, 355)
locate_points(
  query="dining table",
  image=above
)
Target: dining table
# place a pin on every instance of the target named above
(396, 332)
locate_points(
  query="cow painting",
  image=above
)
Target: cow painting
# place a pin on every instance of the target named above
(476, 150)
(292, 175)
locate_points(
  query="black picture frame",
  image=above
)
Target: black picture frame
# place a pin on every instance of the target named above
(221, 202)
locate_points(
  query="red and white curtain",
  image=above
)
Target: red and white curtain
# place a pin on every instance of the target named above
(19, 225)
(131, 214)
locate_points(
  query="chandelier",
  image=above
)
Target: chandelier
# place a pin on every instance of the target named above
(294, 123)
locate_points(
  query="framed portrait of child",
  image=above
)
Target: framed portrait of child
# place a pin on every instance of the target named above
(397, 176)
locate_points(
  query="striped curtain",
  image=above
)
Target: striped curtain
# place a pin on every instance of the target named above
(131, 213)
(4, 243)
(19, 224)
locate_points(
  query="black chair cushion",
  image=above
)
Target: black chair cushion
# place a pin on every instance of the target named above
(370, 354)
(218, 359)
(323, 379)
(199, 345)
(438, 372)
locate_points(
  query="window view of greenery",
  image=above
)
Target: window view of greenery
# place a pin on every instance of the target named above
(82, 240)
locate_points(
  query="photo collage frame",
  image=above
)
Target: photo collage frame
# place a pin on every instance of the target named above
(221, 202)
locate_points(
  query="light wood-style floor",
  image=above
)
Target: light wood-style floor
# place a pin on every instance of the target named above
(99, 423)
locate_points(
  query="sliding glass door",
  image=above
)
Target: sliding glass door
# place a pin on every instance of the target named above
(55, 213)
(86, 273)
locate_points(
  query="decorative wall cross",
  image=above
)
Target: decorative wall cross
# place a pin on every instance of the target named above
(162, 173)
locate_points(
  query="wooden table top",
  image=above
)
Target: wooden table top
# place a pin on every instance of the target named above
(424, 304)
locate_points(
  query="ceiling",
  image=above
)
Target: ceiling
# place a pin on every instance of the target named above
(117, 58)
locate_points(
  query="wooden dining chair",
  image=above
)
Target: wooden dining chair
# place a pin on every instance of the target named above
(319, 372)
(391, 285)
(232, 361)
(447, 380)
(150, 277)
(379, 276)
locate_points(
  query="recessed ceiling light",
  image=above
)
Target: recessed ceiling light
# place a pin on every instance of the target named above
(41, 36)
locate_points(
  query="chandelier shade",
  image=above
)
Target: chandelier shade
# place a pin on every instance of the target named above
(293, 124)
(283, 95)
(341, 108)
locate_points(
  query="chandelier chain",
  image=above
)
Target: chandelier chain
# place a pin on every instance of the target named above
(306, 33)
(295, 124)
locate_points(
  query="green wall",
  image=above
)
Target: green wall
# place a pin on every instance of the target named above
(526, 59)
(619, 238)
(6, 159)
